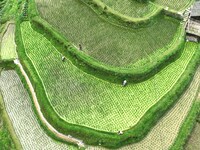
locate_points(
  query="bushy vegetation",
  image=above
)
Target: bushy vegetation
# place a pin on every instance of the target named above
(5, 139)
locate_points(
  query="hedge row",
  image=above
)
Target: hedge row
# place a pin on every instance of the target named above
(92, 136)
(111, 15)
(7, 64)
(101, 70)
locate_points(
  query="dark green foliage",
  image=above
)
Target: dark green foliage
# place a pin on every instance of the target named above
(6, 142)
(198, 119)
(142, 1)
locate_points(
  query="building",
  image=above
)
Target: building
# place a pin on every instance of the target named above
(193, 23)
(195, 11)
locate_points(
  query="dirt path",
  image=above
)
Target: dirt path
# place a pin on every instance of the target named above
(42, 118)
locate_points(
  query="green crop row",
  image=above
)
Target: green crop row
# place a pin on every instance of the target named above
(114, 74)
(175, 5)
(103, 42)
(147, 66)
(94, 136)
(113, 16)
(132, 8)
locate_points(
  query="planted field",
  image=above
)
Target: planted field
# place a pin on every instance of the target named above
(175, 4)
(8, 46)
(19, 107)
(108, 43)
(131, 8)
(162, 136)
(100, 105)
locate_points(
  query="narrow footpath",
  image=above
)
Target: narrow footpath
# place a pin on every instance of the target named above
(67, 138)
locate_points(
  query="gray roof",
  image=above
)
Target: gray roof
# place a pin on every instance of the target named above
(195, 11)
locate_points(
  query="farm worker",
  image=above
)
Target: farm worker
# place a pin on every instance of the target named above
(124, 83)
(80, 47)
(63, 58)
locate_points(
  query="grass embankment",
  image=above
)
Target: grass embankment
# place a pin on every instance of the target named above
(107, 43)
(72, 78)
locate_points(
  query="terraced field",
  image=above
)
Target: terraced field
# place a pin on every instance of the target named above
(131, 8)
(175, 4)
(162, 136)
(67, 87)
(19, 107)
(78, 105)
(108, 43)
(8, 47)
